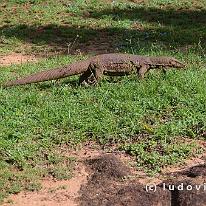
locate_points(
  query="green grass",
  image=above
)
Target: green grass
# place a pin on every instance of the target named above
(150, 119)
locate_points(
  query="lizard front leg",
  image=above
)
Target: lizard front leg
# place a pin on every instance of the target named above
(143, 70)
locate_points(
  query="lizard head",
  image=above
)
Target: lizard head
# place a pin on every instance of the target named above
(175, 63)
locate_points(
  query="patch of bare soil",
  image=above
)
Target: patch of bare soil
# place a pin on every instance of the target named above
(16, 58)
(58, 192)
(187, 188)
(105, 179)
(106, 186)
(102, 44)
(53, 192)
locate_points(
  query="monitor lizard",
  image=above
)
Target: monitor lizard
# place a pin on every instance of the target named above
(92, 69)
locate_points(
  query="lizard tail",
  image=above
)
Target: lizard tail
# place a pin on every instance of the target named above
(72, 69)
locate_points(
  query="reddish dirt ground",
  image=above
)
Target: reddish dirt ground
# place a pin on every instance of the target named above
(102, 178)
(16, 58)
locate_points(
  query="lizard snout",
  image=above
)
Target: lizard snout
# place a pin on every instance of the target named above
(177, 64)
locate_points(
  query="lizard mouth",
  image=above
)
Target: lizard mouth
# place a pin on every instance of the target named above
(177, 64)
(180, 65)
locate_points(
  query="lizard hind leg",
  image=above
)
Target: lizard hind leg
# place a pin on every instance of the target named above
(84, 78)
(91, 76)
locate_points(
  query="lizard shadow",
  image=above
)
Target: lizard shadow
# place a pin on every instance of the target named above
(75, 82)
(58, 84)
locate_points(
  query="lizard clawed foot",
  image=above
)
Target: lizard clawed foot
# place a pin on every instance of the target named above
(87, 79)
